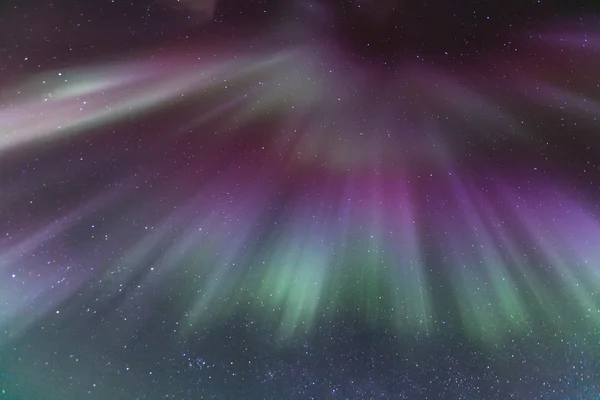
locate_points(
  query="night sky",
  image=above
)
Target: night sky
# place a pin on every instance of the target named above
(299, 199)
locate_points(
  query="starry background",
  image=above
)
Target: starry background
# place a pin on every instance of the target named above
(299, 199)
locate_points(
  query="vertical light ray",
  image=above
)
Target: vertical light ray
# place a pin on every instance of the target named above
(146, 249)
(370, 271)
(568, 239)
(533, 284)
(298, 267)
(29, 286)
(341, 248)
(413, 303)
(487, 294)
(55, 228)
(222, 260)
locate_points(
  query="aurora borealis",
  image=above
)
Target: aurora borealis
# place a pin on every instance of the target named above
(299, 200)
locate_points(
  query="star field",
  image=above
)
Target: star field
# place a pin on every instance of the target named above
(307, 199)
